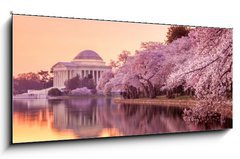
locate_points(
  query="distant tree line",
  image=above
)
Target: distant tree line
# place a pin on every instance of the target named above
(36, 81)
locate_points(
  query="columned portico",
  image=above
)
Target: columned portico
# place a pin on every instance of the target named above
(85, 63)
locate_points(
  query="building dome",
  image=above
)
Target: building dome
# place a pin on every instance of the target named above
(88, 54)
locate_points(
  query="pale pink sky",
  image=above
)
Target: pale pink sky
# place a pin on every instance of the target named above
(40, 42)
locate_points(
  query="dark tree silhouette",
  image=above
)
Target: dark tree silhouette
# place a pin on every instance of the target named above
(54, 92)
(87, 82)
(46, 79)
(73, 83)
(25, 81)
(76, 82)
(175, 32)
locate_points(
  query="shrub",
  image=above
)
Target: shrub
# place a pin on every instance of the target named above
(54, 92)
(87, 82)
(94, 91)
(72, 83)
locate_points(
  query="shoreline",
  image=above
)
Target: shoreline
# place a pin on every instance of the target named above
(167, 102)
(183, 103)
(63, 97)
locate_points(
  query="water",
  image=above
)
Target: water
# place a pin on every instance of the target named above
(91, 117)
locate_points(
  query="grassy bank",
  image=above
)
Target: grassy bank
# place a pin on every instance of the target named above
(184, 101)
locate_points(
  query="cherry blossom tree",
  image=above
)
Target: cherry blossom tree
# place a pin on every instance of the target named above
(209, 68)
(153, 65)
(200, 62)
(145, 74)
(208, 72)
(122, 58)
(103, 84)
(151, 45)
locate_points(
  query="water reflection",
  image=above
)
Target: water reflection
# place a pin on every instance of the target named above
(43, 120)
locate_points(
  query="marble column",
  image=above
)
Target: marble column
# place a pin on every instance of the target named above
(98, 74)
(60, 84)
(56, 79)
(61, 76)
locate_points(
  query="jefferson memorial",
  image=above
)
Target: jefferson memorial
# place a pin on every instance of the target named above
(85, 63)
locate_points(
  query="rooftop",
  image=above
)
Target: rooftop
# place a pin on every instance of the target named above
(88, 54)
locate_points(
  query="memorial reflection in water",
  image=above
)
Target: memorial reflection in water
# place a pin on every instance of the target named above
(91, 117)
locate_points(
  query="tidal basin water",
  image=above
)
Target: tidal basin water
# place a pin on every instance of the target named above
(93, 117)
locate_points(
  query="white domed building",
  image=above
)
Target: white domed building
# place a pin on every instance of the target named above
(85, 63)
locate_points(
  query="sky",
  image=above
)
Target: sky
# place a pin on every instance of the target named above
(41, 42)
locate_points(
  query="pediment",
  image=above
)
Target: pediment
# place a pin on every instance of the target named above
(63, 65)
